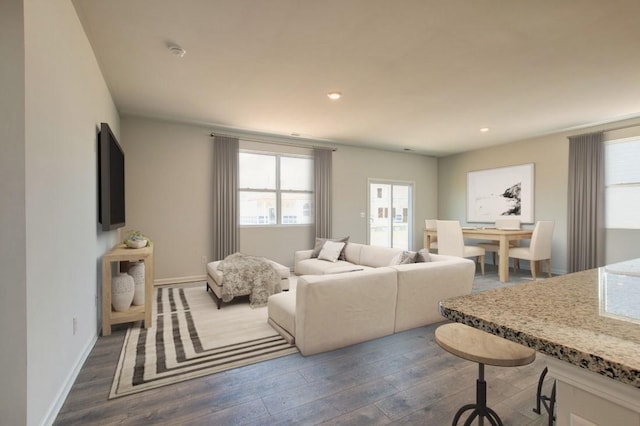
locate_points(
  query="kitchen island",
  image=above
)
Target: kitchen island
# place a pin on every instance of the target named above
(589, 325)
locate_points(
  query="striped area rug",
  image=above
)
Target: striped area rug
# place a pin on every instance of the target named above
(191, 338)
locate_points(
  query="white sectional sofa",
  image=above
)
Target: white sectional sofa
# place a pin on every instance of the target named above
(364, 296)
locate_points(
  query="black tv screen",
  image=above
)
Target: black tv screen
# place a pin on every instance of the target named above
(111, 180)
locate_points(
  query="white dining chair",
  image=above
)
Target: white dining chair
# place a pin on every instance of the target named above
(538, 250)
(502, 223)
(451, 242)
(432, 224)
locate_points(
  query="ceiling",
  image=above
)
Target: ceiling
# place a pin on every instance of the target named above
(419, 75)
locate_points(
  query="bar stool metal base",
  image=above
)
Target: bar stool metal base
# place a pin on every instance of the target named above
(548, 402)
(479, 409)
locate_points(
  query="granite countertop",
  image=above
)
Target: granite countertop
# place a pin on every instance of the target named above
(590, 319)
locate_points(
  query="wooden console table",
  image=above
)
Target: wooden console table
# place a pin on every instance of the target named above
(121, 253)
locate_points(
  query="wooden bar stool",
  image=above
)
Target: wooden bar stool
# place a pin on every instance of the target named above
(484, 348)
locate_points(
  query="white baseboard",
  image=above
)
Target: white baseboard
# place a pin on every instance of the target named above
(55, 407)
(179, 280)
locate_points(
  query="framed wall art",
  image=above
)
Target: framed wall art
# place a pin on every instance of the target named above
(505, 191)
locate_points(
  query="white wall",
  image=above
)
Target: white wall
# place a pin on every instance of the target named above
(65, 100)
(550, 154)
(353, 167)
(169, 184)
(13, 289)
(168, 192)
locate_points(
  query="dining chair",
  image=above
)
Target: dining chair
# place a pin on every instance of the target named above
(502, 223)
(432, 224)
(451, 242)
(538, 250)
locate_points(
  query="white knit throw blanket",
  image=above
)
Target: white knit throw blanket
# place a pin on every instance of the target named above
(244, 274)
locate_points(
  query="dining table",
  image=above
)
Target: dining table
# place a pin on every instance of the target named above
(502, 236)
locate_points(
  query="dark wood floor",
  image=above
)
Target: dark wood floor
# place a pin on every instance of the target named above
(405, 378)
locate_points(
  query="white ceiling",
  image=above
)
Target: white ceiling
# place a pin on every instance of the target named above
(419, 74)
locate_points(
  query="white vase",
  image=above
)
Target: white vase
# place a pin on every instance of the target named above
(122, 289)
(136, 270)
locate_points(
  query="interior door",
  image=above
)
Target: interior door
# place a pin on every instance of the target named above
(390, 214)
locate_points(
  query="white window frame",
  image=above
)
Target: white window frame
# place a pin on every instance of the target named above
(622, 199)
(387, 213)
(278, 191)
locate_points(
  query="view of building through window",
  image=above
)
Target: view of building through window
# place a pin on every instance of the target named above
(275, 189)
(390, 214)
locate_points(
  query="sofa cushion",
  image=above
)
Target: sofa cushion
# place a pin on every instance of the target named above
(331, 250)
(377, 256)
(322, 267)
(320, 243)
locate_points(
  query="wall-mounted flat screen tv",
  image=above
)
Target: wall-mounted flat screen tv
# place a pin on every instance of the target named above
(111, 180)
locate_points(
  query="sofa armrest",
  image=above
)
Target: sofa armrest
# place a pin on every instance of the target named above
(334, 311)
(299, 256)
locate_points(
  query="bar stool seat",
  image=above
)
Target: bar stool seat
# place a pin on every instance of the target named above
(478, 346)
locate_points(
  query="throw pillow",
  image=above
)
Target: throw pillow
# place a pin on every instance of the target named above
(331, 251)
(407, 257)
(423, 256)
(403, 258)
(396, 259)
(320, 242)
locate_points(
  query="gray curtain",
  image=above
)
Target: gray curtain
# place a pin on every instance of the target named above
(226, 238)
(586, 232)
(322, 191)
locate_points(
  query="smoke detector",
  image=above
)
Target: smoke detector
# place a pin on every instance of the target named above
(176, 50)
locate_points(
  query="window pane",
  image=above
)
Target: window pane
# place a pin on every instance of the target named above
(622, 207)
(297, 208)
(622, 180)
(379, 224)
(621, 159)
(257, 171)
(257, 208)
(296, 174)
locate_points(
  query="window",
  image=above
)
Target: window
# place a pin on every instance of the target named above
(390, 212)
(275, 189)
(622, 183)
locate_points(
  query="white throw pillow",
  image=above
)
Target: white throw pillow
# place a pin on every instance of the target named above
(331, 251)
(396, 259)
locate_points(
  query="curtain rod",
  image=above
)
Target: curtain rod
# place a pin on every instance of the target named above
(250, 139)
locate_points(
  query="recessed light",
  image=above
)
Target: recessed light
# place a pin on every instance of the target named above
(334, 96)
(484, 129)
